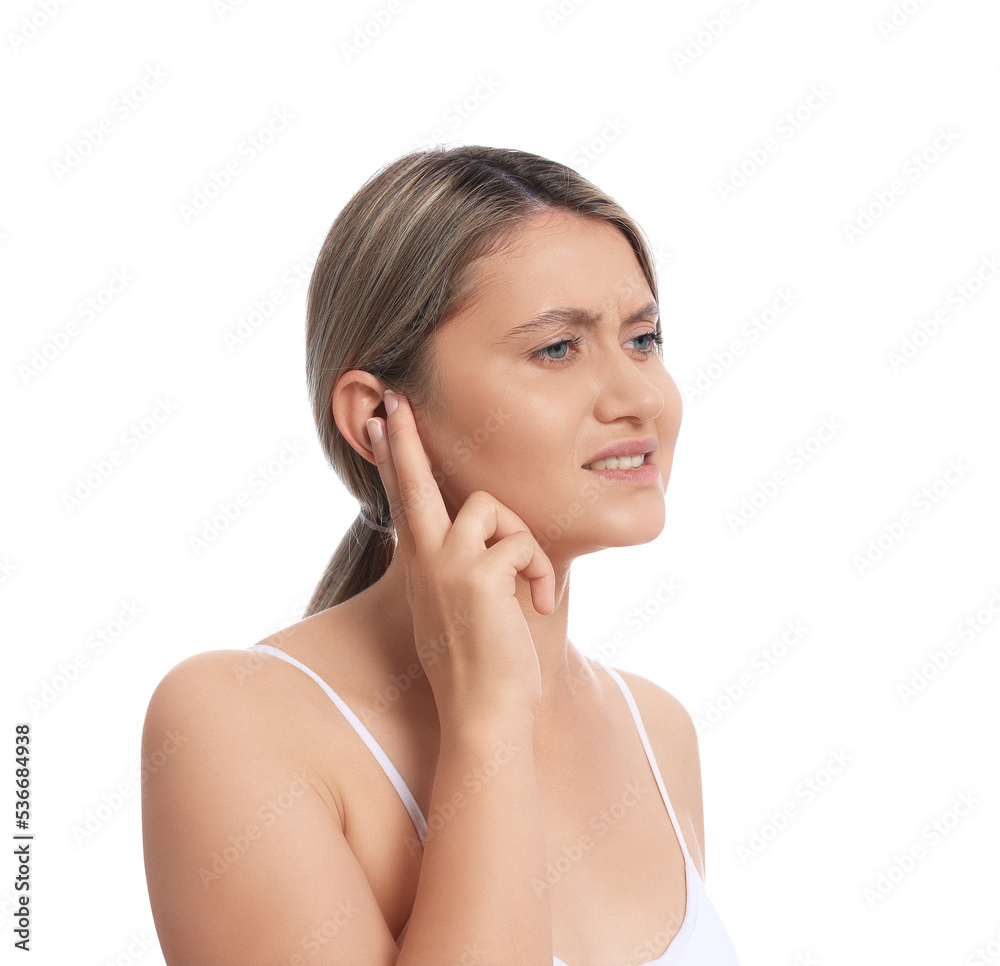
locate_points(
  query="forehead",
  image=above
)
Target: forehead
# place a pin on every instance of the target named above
(556, 260)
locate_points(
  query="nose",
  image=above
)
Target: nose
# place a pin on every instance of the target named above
(623, 391)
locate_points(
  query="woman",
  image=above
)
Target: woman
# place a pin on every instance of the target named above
(482, 336)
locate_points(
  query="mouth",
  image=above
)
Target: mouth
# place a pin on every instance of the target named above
(624, 454)
(625, 463)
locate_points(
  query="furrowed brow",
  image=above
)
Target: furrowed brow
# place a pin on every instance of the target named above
(554, 318)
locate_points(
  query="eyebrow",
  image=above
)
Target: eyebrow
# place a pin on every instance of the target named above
(554, 318)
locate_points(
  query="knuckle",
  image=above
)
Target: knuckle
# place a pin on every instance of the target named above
(414, 493)
(411, 495)
(522, 540)
(480, 498)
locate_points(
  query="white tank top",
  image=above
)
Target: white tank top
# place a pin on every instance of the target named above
(702, 939)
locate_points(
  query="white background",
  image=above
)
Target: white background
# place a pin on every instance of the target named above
(601, 88)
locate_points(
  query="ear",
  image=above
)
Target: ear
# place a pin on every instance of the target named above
(357, 397)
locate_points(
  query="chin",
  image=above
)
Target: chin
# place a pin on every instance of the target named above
(584, 535)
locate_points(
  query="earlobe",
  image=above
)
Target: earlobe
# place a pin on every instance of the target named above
(357, 397)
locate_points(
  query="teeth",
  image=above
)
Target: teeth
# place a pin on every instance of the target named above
(617, 462)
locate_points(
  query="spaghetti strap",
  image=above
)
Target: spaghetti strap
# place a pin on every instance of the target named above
(633, 707)
(419, 822)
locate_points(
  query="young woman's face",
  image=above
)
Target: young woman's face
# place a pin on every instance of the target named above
(519, 414)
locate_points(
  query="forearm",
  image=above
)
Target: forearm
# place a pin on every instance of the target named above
(485, 846)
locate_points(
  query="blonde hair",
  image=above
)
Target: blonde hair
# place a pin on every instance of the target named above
(395, 265)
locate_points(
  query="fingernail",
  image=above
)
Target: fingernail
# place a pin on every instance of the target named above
(391, 402)
(374, 430)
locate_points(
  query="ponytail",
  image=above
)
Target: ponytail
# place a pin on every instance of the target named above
(360, 559)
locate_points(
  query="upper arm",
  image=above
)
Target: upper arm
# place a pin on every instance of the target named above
(674, 739)
(246, 862)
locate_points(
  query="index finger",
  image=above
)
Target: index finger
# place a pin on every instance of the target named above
(415, 501)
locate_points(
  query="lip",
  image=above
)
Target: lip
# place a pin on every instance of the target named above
(625, 447)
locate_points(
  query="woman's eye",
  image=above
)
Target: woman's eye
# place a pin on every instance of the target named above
(541, 353)
(574, 342)
(655, 336)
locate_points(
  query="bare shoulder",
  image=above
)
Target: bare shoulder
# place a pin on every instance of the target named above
(214, 676)
(224, 690)
(234, 678)
(245, 853)
(661, 705)
(674, 740)
(237, 706)
(202, 675)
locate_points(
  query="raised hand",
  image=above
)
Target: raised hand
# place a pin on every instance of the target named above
(470, 633)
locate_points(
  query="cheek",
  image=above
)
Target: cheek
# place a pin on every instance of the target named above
(540, 433)
(498, 421)
(469, 450)
(497, 447)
